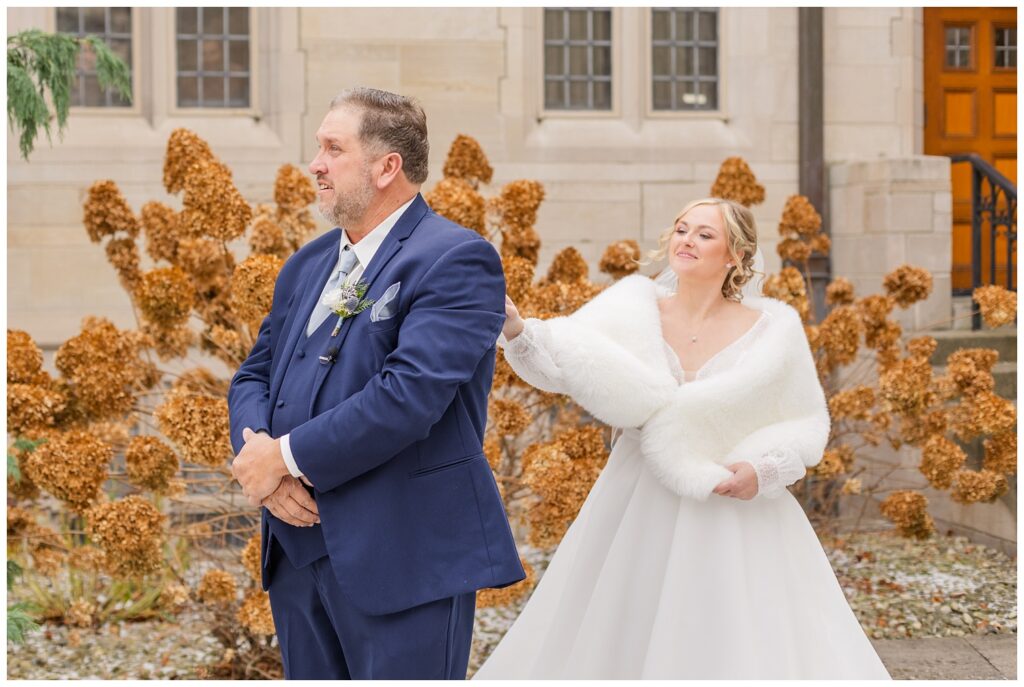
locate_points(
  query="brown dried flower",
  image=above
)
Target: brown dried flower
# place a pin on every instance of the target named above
(169, 342)
(162, 231)
(466, 161)
(217, 588)
(854, 403)
(123, 254)
(72, 466)
(918, 427)
(969, 369)
(1001, 453)
(559, 298)
(254, 613)
(228, 345)
(150, 463)
(736, 181)
(184, 148)
(457, 200)
(983, 413)
(998, 305)
(173, 597)
(834, 462)
(165, 296)
(799, 218)
(905, 385)
(31, 408)
(252, 287)
(521, 242)
(793, 250)
(80, 613)
(567, 267)
(24, 359)
(518, 277)
(293, 189)
(131, 534)
(107, 212)
(839, 292)
(908, 285)
(982, 486)
(789, 287)
(508, 416)
(922, 347)
(940, 460)
(492, 450)
(852, 486)
(267, 237)
(517, 204)
(251, 560)
(908, 510)
(821, 244)
(839, 334)
(88, 558)
(620, 259)
(198, 425)
(204, 260)
(884, 337)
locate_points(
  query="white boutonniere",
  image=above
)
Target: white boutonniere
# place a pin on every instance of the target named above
(347, 301)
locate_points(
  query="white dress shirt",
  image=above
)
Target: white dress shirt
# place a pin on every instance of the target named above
(364, 250)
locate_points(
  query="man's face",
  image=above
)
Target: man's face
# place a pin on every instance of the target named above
(342, 168)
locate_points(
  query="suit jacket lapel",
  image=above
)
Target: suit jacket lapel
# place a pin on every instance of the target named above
(391, 245)
(307, 298)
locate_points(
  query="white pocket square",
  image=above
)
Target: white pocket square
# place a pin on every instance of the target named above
(387, 306)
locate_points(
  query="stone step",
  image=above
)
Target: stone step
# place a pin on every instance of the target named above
(1003, 340)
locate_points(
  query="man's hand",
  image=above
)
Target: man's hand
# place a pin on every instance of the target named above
(293, 504)
(742, 484)
(259, 466)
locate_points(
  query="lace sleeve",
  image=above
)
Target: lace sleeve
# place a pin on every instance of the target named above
(528, 355)
(776, 470)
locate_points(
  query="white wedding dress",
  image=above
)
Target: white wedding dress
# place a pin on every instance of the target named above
(650, 584)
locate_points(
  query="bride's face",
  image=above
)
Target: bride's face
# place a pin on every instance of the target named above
(699, 249)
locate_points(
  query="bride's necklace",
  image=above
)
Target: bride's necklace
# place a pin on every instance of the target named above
(700, 329)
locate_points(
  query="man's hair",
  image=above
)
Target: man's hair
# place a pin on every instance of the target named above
(391, 123)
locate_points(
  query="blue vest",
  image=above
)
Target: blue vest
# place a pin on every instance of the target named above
(302, 545)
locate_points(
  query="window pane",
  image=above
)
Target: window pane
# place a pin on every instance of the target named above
(67, 20)
(554, 63)
(709, 95)
(661, 62)
(213, 56)
(213, 20)
(660, 29)
(602, 61)
(707, 61)
(662, 95)
(95, 19)
(187, 59)
(188, 91)
(187, 20)
(684, 61)
(578, 94)
(553, 98)
(707, 26)
(86, 60)
(238, 20)
(93, 94)
(238, 56)
(553, 24)
(578, 25)
(684, 25)
(602, 25)
(122, 48)
(578, 60)
(602, 95)
(211, 90)
(120, 20)
(238, 92)
(951, 57)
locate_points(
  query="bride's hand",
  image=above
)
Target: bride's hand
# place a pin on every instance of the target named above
(742, 484)
(513, 322)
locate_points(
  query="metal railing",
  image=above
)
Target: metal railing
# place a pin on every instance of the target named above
(993, 212)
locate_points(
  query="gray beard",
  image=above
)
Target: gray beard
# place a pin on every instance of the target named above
(349, 208)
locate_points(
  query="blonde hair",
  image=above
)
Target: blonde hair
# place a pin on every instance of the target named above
(742, 238)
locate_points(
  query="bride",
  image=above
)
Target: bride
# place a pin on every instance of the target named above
(689, 558)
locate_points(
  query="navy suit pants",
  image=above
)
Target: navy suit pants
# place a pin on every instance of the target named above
(323, 637)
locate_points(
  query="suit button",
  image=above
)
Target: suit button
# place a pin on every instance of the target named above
(280, 403)
(301, 353)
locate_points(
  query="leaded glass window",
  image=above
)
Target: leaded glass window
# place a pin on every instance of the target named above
(578, 59)
(958, 47)
(684, 58)
(213, 58)
(1006, 47)
(114, 26)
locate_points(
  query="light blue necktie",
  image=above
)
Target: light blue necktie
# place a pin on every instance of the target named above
(321, 312)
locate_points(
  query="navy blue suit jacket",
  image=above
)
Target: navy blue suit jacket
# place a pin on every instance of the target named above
(409, 509)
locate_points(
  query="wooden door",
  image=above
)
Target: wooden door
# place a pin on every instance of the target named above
(970, 91)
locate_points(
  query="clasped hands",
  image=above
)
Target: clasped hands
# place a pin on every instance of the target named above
(260, 468)
(742, 484)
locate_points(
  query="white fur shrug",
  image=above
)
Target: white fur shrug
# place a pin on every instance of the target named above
(609, 357)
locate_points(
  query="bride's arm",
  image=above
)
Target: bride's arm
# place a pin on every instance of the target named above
(528, 355)
(776, 470)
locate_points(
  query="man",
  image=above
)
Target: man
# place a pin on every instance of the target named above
(373, 569)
